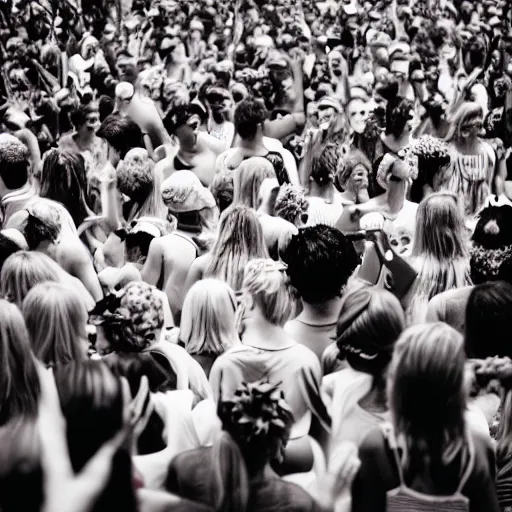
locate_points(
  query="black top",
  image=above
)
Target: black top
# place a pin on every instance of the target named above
(379, 474)
(190, 474)
(277, 162)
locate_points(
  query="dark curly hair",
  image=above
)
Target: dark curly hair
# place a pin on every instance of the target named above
(398, 112)
(249, 113)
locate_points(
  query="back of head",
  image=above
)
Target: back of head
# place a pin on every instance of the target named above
(135, 175)
(320, 261)
(121, 133)
(14, 162)
(56, 319)
(63, 178)
(18, 375)
(370, 322)
(22, 271)
(208, 323)
(440, 230)
(250, 114)
(247, 180)
(492, 243)
(324, 164)
(488, 314)
(239, 239)
(291, 204)
(7, 247)
(92, 402)
(222, 189)
(266, 283)
(426, 393)
(43, 224)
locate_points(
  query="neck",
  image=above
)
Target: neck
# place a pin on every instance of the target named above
(325, 312)
(376, 399)
(259, 332)
(323, 191)
(254, 143)
(395, 196)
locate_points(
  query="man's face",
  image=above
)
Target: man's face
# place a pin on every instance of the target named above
(357, 112)
(188, 132)
(400, 70)
(127, 69)
(326, 116)
(92, 122)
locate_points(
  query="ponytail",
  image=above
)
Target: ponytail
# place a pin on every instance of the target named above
(230, 482)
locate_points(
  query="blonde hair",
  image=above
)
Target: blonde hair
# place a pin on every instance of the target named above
(247, 180)
(468, 110)
(18, 375)
(266, 281)
(440, 251)
(22, 271)
(427, 394)
(208, 323)
(56, 320)
(239, 240)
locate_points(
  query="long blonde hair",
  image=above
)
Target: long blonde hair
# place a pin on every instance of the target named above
(22, 271)
(208, 323)
(18, 375)
(239, 240)
(247, 180)
(440, 252)
(56, 320)
(427, 395)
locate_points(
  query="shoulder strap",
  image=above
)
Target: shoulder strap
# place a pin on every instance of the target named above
(389, 434)
(470, 465)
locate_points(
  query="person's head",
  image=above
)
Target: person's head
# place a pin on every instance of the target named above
(467, 122)
(399, 117)
(121, 134)
(129, 320)
(18, 375)
(354, 172)
(324, 165)
(8, 246)
(239, 240)
(440, 230)
(491, 243)
(329, 109)
(86, 118)
(14, 164)
(22, 271)
(138, 180)
(43, 225)
(184, 121)
(357, 111)
(93, 402)
(126, 67)
(139, 235)
(488, 313)
(427, 393)
(208, 323)
(291, 204)
(370, 322)
(320, 261)
(56, 320)
(248, 178)
(192, 204)
(250, 116)
(222, 189)
(266, 294)
(63, 178)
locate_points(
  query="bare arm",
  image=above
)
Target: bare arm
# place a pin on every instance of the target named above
(153, 266)
(78, 263)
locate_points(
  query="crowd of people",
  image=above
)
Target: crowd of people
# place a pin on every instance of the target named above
(255, 255)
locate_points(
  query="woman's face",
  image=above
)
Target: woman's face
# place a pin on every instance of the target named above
(358, 112)
(326, 116)
(358, 179)
(92, 122)
(471, 127)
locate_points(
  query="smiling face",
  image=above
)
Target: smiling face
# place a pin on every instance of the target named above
(358, 112)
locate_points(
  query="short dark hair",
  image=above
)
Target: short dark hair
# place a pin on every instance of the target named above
(121, 132)
(249, 113)
(488, 315)
(14, 162)
(79, 115)
(320, 261)
(7, 247)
